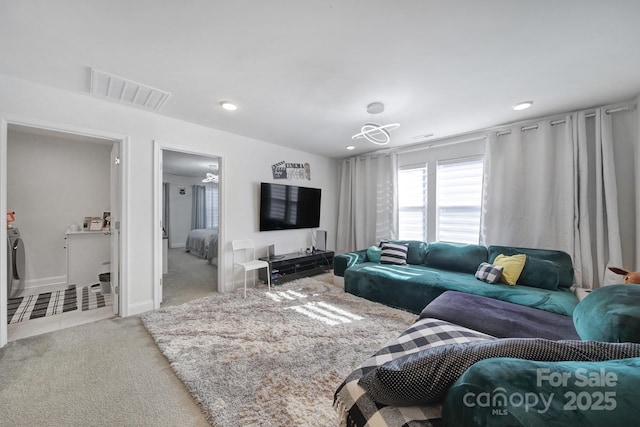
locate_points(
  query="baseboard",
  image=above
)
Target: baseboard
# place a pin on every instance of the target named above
(45, 284)
(178, 245)
(140, 308)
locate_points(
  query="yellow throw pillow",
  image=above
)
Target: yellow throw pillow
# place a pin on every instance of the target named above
(513, 266)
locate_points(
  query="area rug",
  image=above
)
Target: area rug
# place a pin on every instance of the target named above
(92, 297)
(42, 305)
(274, 358)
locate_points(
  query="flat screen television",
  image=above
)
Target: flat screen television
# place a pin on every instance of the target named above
(284, 207)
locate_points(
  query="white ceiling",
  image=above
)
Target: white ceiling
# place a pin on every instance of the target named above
(302, 72)
(185, 164)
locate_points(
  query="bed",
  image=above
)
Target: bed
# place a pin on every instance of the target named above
(203, 243)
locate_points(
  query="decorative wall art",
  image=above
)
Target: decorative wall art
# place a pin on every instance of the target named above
(284, 170)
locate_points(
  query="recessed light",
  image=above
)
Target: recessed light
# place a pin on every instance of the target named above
(228, 105)
(522, 105)
(350, 147)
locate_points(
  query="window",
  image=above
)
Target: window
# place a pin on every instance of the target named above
(459, 200)
(211, 206)
(412, 206)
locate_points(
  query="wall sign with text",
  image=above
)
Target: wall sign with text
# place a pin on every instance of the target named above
(284, 170)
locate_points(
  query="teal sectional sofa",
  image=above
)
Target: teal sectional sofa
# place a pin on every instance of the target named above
(434, 268)
(474, 361)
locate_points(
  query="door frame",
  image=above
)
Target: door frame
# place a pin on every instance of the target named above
(116, 138)
(158, 146)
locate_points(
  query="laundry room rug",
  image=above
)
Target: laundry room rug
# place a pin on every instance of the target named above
(92, 298)
(42, 305)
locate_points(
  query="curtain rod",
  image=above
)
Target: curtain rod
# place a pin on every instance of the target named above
(434, 144)
(427, 146)
(561, 121)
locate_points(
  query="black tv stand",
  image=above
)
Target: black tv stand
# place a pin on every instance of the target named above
(294, 266)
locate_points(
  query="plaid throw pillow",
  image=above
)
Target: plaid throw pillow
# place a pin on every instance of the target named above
(489, 273)
(394, 253)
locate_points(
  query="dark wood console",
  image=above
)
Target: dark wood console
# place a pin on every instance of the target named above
(294, 266)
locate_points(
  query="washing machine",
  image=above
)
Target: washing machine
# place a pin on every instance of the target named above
(15, 262)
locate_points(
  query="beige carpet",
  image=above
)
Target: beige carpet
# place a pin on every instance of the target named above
(274, 359)
(188, 277)
(107, 373)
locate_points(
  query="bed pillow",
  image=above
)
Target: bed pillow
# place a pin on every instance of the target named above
(373, 253)
(424, 377)
(489, 273)
(394, 253)
(513, 266)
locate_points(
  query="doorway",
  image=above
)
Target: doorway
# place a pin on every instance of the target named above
(189, 225)
(57, 180)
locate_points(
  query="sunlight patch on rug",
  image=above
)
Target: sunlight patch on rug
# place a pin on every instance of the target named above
(326, 313)
(274, 358)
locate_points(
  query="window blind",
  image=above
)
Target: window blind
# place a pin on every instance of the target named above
(211, 206)
(459, 200)
(412, 205)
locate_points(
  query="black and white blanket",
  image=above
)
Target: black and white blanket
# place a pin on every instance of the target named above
(356, 408)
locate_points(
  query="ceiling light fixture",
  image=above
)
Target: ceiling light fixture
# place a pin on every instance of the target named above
(228, 105)
(374, 132)
(210, 178)
(350, 147)
(522, 105)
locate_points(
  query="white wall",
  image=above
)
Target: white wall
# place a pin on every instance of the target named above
(52, 183)
(241, 170)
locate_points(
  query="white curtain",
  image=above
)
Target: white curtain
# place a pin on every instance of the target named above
(198, 207)
(528, 188)
(554, 186)
(367, 208)
(597, 229)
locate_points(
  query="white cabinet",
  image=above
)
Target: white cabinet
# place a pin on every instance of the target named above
(88, 255)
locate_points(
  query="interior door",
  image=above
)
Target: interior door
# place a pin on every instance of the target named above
(116, 190)
(163, 226)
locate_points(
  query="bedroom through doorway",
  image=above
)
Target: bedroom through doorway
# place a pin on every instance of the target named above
(190, 225)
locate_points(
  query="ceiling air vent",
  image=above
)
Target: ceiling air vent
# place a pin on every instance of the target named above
(127, 91)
